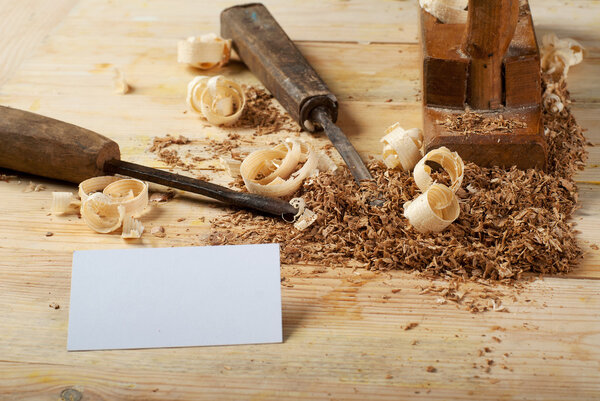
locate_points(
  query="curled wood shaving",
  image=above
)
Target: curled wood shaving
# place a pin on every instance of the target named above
(325, 163)
(132, 228)
(553, 103)
(62, 202)
(305, 217)
(204, 52)
(95, 184)
(132, 194)
(101, 214)
(557, 55)
(113, 198)
(449, 161)
(447, 11)
(219, 100)
(231, 166)
(433, 210)
(402, 147)
(279, 171)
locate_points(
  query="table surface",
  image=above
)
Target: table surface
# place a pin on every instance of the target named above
(344, 328)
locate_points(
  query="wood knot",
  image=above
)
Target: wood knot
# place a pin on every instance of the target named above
(70, 394)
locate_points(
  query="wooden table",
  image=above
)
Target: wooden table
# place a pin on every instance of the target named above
(344, 334)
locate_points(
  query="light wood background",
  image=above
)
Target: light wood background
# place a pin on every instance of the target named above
(343, 328)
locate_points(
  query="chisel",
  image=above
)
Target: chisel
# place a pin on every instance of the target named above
(43, 146)
(270, 54)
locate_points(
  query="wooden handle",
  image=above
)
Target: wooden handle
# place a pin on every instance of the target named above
(43, 146)
(491, 25)
(274, 59)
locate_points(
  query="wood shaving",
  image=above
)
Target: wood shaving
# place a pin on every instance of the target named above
(121, 86)
(402, 148)
(132, 228)
(108, 201)
(204, 52)
(447, 11)
(557, 55)
(101, 214)
(231, 166)
(63, 202)
(130, 193)
(433, 210)
(451, 162)
(279, 171)
(305, 217)
(217, 99)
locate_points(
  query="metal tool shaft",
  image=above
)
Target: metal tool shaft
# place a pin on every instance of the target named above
(246, 200)
(342, 144)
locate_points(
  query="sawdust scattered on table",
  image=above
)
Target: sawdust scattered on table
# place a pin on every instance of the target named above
(411, 326)
(171, 156)
(33, 187)
(158, 231)
(7, 177)
(512, 221)
(475, 123)
(159, 143)
(160, 197)
(263, 115)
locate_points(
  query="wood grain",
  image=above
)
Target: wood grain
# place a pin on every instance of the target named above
(343, 328)
(25, 24)
(490, 29)
(43, 146)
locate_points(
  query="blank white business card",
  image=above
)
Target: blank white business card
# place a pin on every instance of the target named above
(175, 297)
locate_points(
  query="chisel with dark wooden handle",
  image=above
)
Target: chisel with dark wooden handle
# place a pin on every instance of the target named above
(270, 54)
(43, 146)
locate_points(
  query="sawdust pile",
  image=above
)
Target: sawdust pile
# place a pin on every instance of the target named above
(475, 123)
(262, 115)
(511, 222)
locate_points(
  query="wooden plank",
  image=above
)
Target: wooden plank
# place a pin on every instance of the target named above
(343, 339)
(357, 21)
